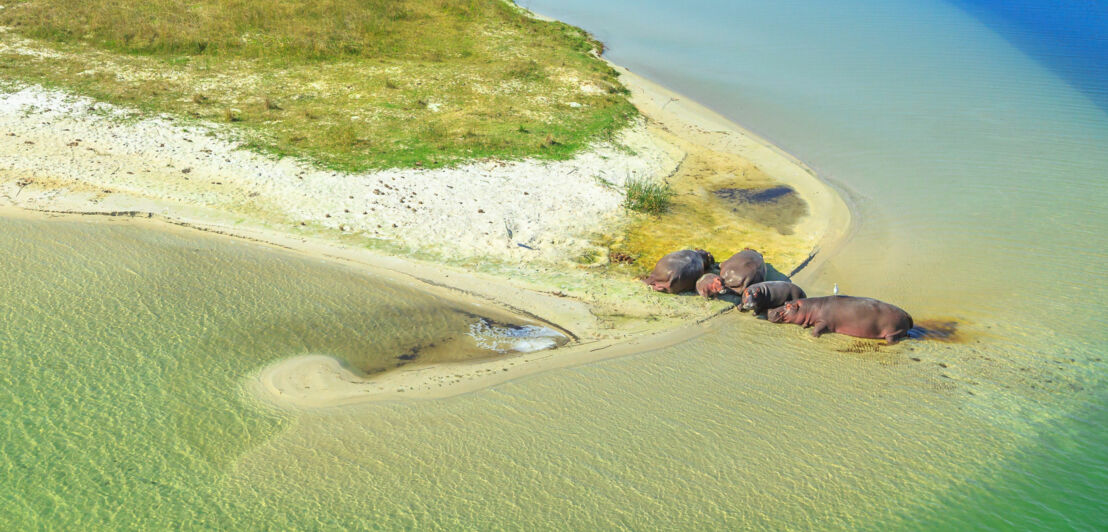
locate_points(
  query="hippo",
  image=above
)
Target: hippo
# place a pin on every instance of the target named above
(678, 271)
(861, 317)
(709, 285)
(765, 295)
(742, 270)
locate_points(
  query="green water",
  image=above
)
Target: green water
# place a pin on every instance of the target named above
(125, 349)
(977, 177)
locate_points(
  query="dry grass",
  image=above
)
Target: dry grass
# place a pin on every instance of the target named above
(353, 84)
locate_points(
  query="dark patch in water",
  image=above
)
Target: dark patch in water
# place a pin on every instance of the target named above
(778, 207)
(754, 195)
(491, 323)
(939, 330)
(413, 353)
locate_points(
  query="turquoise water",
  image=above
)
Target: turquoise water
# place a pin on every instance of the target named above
(971, 137)
(977, 174)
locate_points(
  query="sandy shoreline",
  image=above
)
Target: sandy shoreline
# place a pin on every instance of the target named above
(315, 381)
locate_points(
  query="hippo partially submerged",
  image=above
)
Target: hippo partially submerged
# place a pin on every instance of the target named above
(861, 317)
(678, 271)
(763, 296)
(743, 269)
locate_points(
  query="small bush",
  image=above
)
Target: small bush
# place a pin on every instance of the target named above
(643, 195)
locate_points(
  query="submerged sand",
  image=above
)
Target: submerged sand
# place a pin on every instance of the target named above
(69, 154)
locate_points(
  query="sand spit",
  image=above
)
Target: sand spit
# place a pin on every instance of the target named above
(319, 381)
(314, 381)
(65, 154)
(828, 218)
(77, 154)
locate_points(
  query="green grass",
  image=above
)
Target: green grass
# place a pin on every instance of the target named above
(350, 84)
(643, 195)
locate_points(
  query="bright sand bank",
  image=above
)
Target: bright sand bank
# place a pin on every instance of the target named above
(72, 155)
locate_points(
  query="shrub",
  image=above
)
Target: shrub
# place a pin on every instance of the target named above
(643, 195)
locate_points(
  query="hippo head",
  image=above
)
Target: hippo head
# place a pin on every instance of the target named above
(784, 313)
(709, 260)
(709, 285)
(750, 300)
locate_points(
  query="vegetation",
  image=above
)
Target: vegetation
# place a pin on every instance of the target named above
(698, 216)
(353, 84)
(646, 196)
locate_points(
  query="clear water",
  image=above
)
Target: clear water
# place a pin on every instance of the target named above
(972, 137)
(973, 151)
(126, 347)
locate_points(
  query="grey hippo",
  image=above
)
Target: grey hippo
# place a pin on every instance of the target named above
(709, 285)
(861, 317)
(765, 295)
(678, 271)
(743, 269)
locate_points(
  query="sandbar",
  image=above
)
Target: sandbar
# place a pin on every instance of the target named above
(545, 206)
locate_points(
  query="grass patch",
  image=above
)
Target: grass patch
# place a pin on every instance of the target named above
(646, 196)
(698, 218)
(351, 84)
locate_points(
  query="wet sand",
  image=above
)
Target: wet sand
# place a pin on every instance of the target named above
(315, 381)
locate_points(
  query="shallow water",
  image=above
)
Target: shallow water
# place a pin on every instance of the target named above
(970, 137)
(977, 172)
(125, 349)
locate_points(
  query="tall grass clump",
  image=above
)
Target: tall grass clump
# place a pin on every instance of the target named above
(646, 196)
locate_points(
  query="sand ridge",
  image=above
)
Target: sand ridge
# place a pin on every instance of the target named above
(312, 381)
(109, 175)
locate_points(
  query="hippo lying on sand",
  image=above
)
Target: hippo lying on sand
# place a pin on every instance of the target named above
(854, 316)
(763, 296)
(678, 271)
(742, 270)
(709, 285)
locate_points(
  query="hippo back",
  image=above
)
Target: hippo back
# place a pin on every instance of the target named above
(678, 271)
(743, 269)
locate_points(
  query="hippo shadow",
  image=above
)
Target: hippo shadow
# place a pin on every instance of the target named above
(730, 297)
(772, 274)
(939, 330)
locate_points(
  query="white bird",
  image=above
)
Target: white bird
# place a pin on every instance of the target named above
(836, 289)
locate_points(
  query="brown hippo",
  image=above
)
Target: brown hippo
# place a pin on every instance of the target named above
(742, 270)
(709, 285)
(678, 271)
(763, 296)
(854, 316)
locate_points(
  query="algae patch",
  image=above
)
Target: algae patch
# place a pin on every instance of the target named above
(721, 203)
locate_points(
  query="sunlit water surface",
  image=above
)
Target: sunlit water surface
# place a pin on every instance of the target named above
(973, 154)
